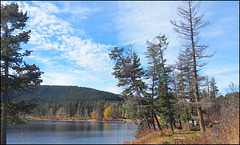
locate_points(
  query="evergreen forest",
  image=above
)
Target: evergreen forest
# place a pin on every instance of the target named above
(69, 101)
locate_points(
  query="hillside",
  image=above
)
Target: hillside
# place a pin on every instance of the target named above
(56, 94)
(69, 101)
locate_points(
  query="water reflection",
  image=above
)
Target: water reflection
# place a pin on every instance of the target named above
(72, 132)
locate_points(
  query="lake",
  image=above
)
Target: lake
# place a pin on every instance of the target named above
(70, 133)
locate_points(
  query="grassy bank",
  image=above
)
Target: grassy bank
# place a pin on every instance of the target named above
(223, 131)
(163, 137)
(212, 136)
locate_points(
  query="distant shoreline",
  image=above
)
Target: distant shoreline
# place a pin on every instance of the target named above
(77, 120)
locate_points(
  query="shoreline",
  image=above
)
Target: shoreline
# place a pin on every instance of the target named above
(30, 119)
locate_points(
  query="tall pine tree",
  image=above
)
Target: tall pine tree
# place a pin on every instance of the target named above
(189, 28)
(130, 75)
(213, 89)
(185, 87)
(160, 78)
(15, 73)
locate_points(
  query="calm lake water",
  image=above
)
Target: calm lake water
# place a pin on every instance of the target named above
(70, 133)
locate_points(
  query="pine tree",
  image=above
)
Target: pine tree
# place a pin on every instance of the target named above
(188, 28)
(184, 85)
(160, 77)
(213, 89)
(130, 75)
(152, 55)
(15, 73)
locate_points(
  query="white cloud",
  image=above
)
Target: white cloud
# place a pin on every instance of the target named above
(47, 61)
(135, 21)
(223, 75)
(96, 61)
(139, 21)
(220, 69)
(77, 9)
(113, 88)
(52, 33)
(87, 76)
(59, 79)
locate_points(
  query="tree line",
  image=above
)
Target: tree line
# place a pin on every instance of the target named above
(70, 101)
(174, 93)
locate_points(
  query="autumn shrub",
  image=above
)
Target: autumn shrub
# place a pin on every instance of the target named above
(94, 114)
(223, 131)
(108, 112)
(152, 136)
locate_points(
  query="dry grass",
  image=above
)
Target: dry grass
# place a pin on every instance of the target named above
(226, 132)
(161, 137)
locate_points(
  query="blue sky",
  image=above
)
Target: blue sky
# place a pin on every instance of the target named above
(71, 40)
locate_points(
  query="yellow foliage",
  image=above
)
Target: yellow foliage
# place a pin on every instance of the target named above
(216, 122)
(94, 113)
(107, 112)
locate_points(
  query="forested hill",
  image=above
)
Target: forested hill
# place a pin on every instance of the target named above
(56, 94)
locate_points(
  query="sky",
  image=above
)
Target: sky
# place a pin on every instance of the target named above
(71, 40)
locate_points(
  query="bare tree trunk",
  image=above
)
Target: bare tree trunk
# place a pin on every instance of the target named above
(153, 122)
(139, 101)
(171, 125)
(188, 126)
(180, 123)
(171, 122)
(196, 94)
(208, 88)
(195, 82)
(4, 106)
(159, 126)
(208, 113)
(4, 118)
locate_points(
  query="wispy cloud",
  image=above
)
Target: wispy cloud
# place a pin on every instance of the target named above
(69, 56)
(224, 74)
(59, 79)
(52, 33)
(54, 41)
(139, 21)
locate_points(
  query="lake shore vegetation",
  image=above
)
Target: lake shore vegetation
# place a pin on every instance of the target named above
(222, 129)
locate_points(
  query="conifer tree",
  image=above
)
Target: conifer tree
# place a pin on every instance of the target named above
(189, 28)
(184, 85)
(130, 75)
(15, 73)
(213, 89)
(153, 66)
(160, 77)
